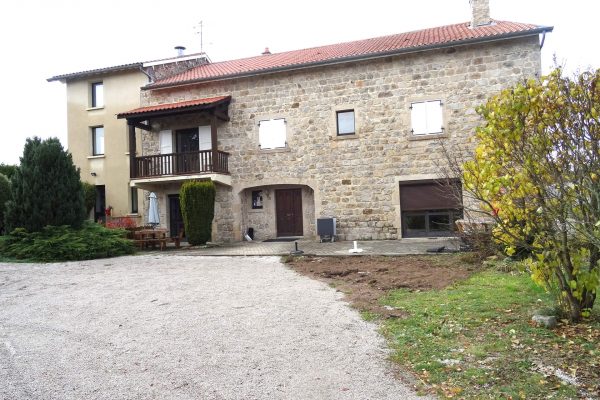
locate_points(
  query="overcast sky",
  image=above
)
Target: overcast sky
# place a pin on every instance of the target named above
(41, 39)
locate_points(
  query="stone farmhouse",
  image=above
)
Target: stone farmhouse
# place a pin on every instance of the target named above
(351, 130)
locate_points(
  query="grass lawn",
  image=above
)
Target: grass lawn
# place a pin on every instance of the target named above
(474, 339)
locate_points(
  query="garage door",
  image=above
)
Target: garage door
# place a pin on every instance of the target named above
(430, 208)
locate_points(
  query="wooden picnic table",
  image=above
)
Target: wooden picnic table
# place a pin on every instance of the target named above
(151, 237)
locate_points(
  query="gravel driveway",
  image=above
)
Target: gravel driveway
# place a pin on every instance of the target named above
(180, 327)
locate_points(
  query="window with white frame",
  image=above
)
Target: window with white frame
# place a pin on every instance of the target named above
(426, 117)
(97, 140)
(97, 94)
(272, 134)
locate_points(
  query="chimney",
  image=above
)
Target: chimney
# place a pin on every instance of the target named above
(180, 50)
(480, 13)
(266, 52)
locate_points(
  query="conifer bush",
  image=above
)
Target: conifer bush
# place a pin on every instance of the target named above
(89, 197)
(197, 201)
(4, 197)
(46, 189)
(64, 243)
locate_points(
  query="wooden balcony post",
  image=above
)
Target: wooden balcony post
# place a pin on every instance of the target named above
(132, 152)
(213, 139)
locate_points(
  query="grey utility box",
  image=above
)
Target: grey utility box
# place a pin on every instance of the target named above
(326, 228)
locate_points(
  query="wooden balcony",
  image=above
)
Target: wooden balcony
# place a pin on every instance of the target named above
(191, 163)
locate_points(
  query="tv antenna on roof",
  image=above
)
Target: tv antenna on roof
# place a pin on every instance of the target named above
(199, 31)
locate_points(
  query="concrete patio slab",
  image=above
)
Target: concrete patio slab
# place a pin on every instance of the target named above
(369, 247)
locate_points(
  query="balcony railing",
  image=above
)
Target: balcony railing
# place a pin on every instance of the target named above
(194, 162)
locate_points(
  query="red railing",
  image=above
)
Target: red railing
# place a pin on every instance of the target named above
(194, 162)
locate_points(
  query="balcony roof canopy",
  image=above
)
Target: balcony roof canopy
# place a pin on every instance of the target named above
(215, 105)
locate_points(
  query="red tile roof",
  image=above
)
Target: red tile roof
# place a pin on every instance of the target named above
(443, 36)
(172, 106)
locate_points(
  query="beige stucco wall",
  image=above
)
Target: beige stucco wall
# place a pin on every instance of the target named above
(121, 93)
(354, 179)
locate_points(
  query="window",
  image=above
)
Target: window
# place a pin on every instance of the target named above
(272, 134)
(430, 208)
(426, 117)
(97, 94)
(430, 223)
(345, 122)
(98, 140)
(257, 199)
(204, 138)
(134, 200)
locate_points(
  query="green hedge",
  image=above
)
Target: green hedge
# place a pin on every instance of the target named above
(197, 201)
(63, 243)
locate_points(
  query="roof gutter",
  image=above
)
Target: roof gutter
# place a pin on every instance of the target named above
(512, 35)
(94, 72)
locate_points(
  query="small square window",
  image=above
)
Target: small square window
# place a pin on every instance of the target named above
(97, 94)
(257, 199)
(345, 122)
(426, 117)
(98, 140)
(272, 134)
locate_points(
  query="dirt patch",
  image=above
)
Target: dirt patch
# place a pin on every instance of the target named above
(366, 279)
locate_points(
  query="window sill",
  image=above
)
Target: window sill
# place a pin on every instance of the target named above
(277, 150)
(97, 156)
(94, 108)
(428, 136)
(134, 215)
(256, 210)
(344, 137)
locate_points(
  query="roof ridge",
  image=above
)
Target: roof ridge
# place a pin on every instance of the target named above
(439, 35)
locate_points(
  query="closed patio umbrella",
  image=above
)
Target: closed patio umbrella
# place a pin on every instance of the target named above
(153, 216)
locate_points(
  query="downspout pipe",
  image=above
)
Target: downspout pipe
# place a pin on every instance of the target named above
(150, 77)
(543, 39)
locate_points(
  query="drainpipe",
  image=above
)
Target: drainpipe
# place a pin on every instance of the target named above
(543, 39)
(148, 75)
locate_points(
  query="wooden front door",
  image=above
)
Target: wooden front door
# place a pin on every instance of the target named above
(175, 218)
(288, 210)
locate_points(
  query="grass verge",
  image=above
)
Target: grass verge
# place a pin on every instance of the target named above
(475, 340)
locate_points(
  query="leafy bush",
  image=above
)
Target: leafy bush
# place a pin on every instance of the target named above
(4, 197)
(63, 243)
(535, 172)
(198, 210)
(46, 189)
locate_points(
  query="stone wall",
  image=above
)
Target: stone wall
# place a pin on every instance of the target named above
(263, 220)
(173, 66)
(480, 12)
(356, 178)
(222, 230)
